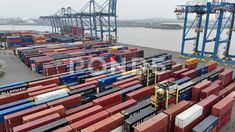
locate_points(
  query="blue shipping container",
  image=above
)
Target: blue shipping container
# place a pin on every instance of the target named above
(206, 125)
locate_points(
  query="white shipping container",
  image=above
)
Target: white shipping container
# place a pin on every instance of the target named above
(196, 2)
(51, 96)
(188, 116)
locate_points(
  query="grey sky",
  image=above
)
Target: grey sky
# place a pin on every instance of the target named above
(127, 9)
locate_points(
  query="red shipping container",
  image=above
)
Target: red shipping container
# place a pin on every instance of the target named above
(79, 125)
(207, 104)
(190, 67)
(164, 75)
(141, 93)
(44, 113)
(192, 74)
(2, 127)
(67, 102)
(83, 114)
(212, 89)
(129, 84)
(220, 68)
(177, 67)
(64, 129)
(222, 109)
(177, 74)
(36, 123)
(15, 119)
(231, 87)
(223, 93)
(120, 107)
(78, 109)
(220, 83)
(108, 100)
(13, 97)
(117, 84)
(173, 111)
(158, 123)
(107, 124)
(38, 88)
(33, 94)
(44, 82)
(96, 78)
(83, 85)
(196, 90)
(226, 77)
(212, 66)
(49, 70)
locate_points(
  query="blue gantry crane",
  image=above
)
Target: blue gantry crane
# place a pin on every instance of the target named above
(217, 35)
(96, 19)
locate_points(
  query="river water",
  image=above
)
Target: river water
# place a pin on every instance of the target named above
(153, 38)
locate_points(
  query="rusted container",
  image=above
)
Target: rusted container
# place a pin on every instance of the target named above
(83, 114)
(107, 124)
(196, 90)
(15, 119)
(207, 104)
(173, 111)
(67, 102)
(158, 123)
(129, 84)
(120, 107)
(141, 93)
(212, 89)
(36, 123)
(78, 109)
(81, 124)
(58, 109)
(108, 100)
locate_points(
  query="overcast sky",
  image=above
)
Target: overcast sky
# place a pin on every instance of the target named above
(127, 9)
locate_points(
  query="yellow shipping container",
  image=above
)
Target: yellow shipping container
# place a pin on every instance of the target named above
(192, 61)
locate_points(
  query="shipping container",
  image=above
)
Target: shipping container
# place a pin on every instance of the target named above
(138, 118)
(107, 124)
(136, 109)
(65, 129)
(15, 119)
(78, 109)
(158, 123)
(58, 109)
(207, 104)
(214, 88)
(129, 84)
(120, 107)
(36, 123)
(125, 91)
(107, 92)
(83, 114)
(173, 111)
(207, 125)
(108, 100)
(141, 94)
(196, 90)
(90, 120)
(188, 116)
